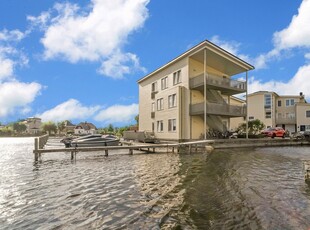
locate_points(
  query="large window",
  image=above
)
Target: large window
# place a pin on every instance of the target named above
(267, 101)
(308, 113)
(164, 83)
(177, 77)
(267, 114)
(160, 104)
(172, 125)
(160, 126)
(172, 100)
(279, 103)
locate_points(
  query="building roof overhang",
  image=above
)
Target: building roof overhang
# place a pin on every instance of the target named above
(216, 57)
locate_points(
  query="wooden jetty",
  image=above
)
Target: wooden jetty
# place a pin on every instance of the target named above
(130, 146)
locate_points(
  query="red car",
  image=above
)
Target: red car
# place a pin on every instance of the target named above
(274, 132)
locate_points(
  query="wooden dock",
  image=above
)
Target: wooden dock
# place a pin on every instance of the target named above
(130, 146)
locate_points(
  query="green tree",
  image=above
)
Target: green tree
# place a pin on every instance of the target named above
(254, 127)
(49, 127)
(61, 126)
(137, 119)
(110, 128)
(19, 127)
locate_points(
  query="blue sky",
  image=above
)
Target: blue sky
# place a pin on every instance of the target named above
(80, 60)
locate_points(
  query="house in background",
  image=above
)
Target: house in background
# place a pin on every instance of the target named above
(33, 125)
(290, 112)
(68, 127)
(85, 128)
(192, 93)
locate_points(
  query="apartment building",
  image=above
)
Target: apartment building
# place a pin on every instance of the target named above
(192, 93)
(291, 112)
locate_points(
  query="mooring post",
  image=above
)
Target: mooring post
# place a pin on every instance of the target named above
(106, 152)
(130, 151)
(173, 149)
(36, 148)
(72, 155)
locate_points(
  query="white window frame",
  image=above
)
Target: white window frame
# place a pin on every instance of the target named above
(177, 78)
(160, 104)
(160, 126)
(164, 83)
(172, 100)
(153, 107)
(172, 125)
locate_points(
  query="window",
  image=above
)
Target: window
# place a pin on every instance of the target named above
(160, 126)
(153, 107)
(268, 115)
(172, 125)
(172, 100)
(289, 102)
(177, 77)
(308, 113)
(164, 83)
(153, 126)
(251, 118)
(267, 101)
(154, 87)
(279, 103)
(160, 104)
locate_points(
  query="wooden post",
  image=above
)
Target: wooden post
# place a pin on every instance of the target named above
(173, 149)
(106, 152)
(36, 148)
(130, 151)
(72, 155)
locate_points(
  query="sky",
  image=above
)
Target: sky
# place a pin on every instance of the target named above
(81, 60)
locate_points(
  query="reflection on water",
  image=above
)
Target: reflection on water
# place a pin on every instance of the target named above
(230, 189)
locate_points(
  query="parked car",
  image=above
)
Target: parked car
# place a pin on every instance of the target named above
(274, 132)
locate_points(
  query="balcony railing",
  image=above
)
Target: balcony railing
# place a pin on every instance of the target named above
(287, 121)
(218, 109)
(218, 82)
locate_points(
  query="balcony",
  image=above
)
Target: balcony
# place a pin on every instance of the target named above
(153, 93)
(225, 85)
(218, 109)
(286, 121)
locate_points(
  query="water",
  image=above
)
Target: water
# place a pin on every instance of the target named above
(260, 188)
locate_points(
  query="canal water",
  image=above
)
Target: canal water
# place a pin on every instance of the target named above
(259, 188)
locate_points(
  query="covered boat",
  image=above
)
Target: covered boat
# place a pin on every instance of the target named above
(92, 141)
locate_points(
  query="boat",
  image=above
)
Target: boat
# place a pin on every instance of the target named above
(92, 140)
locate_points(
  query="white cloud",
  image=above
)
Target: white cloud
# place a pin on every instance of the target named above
(9, 55)
(116, 66)
(16, 96)
(118, 113)
(299, 83)
(95, 35)
(297, 34)
(69, 110)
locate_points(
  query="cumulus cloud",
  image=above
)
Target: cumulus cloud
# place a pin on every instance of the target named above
(299, 83)
(297, 34)
(75, 34)
(69, 110)
(17, 96)
(118, 113)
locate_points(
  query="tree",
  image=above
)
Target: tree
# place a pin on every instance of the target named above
(49, 127)
(19, 127)
(61, 126)
(110, 128)
(254, 127)
(137, 119)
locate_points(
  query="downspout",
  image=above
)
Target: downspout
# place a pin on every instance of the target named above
(205, 92)
(247, 106)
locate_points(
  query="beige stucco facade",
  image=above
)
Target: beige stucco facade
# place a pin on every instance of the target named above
(287, 111)
(192, 93)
